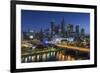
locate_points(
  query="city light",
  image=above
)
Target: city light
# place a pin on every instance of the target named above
(56, 40)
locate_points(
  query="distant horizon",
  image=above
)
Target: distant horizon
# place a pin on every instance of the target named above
(37, 20)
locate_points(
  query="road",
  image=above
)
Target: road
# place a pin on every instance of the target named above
(73, 48)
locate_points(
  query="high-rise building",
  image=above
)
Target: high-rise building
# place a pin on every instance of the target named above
(77, 33)
(41, 35)
(63, 27)
(69, 30)
(56, 30)
(82, 33)
(77, 29)
(52, 29)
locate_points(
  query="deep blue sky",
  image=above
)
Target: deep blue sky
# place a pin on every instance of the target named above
(36, 20)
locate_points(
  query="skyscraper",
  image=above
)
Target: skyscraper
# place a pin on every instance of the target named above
(77, 33)
(63, 27)
(69, 30)
(77, 29)
(41, 35)
(82, 33)
(52, 28)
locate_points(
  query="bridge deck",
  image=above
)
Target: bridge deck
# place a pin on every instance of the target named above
(74, 48)
(40, 52)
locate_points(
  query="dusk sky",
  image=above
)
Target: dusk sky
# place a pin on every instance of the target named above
(36, 20)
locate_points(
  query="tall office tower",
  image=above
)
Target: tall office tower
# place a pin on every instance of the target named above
(77, 30)
(77, 34)
(63, 27)
(52, 29)
(69, 30)
(56, 30)
(82, 33)
(41, 35)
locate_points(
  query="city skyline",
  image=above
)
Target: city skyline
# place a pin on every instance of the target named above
(54, 36)
(36, 20)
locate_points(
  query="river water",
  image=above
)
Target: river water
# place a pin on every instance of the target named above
(53, 56)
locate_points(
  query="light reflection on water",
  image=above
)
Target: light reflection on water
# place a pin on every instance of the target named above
(52, 56)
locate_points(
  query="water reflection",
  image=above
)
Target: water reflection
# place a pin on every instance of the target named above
(50, 56)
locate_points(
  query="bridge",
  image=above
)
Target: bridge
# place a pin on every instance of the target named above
(87, 50)
(43, 55)
(36, 56)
